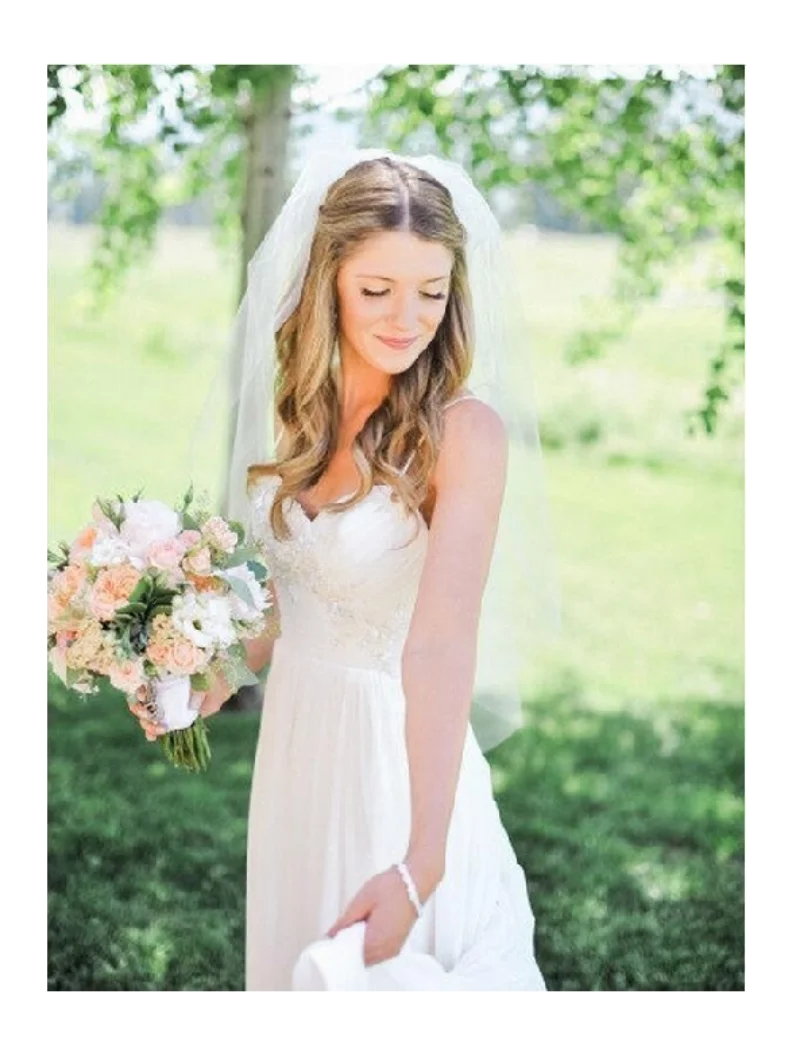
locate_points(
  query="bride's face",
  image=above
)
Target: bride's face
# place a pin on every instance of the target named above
(392, 293)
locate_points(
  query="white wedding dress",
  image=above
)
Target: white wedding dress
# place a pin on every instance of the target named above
(330, 804)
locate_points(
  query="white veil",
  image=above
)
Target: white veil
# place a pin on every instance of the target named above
(520, 608)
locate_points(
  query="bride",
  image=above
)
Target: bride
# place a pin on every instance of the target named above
(372, 471)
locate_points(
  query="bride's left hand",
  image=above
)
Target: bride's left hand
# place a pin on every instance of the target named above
(385, 905)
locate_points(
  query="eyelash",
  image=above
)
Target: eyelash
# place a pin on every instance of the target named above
(425, 295)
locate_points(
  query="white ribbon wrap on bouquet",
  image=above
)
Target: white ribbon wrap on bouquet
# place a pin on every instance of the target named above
(177, 706)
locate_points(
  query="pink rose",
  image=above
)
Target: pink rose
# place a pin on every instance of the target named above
(190, 538)
(166, 554)
(147, 521)
(63, 639)
(219, 534)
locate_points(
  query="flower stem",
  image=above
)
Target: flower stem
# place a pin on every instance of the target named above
(188, 748)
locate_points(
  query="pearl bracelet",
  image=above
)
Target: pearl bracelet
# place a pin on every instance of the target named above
(411, 890)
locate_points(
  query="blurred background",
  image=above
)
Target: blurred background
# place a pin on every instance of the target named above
(621, 193)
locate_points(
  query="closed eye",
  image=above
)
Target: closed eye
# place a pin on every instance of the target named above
(425, 295)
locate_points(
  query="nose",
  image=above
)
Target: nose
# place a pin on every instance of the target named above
(405, 313)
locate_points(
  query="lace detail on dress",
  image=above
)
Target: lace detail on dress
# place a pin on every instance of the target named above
(346, 582)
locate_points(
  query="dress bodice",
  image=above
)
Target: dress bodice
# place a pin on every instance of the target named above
(346, 582)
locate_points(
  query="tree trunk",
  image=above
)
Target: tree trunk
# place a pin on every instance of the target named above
(265, 118)
(266, 123)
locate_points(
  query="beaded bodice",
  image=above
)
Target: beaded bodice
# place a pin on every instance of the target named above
(346, 582)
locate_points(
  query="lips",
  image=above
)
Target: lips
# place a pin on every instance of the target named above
(397, 345)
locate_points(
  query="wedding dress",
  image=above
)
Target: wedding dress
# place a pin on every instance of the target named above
(330, 800)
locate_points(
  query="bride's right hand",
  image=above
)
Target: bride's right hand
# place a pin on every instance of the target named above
(213, 700)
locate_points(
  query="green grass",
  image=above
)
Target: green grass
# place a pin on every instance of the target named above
(624, 795)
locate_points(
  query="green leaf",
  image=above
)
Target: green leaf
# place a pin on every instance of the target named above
(240, 556)
(200, 682)
(141, 590)
(240, 589)
(238, 528)
(258, 570)
(238, 675)
(237, 651)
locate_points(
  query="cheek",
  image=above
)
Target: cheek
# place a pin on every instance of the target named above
(356, 313)
(434, 315)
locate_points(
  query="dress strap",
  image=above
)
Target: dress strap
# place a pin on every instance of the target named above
(459, 399)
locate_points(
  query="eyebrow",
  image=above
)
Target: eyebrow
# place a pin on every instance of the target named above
(377, 277)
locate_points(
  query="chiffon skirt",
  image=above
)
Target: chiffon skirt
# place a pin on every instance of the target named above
(329, 809)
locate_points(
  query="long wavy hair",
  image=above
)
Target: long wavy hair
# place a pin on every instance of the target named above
(375, 196)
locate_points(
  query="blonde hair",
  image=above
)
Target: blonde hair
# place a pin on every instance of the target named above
(374, 196)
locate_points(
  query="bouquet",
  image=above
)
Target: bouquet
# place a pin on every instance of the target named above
(149, 594)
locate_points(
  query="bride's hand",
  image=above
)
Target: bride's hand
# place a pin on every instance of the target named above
(213, 700)
(384, 904)
(136, 704)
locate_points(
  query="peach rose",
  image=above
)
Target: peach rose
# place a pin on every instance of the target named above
(106, 657)
(198, 562)
(126, 675)
(112, 589)
(65, 612)
(83, 543)
(159, 654)
(207, 583)
(86, 648)
(185, 658)
(67, 585)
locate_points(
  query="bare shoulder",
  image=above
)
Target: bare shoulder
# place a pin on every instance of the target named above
(474, 446)
(469, 476)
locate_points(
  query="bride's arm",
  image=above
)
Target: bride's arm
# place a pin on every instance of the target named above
(259, 650)
(439, 657)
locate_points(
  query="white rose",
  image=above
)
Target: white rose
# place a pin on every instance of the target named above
(186, 617)
(110, 550)
(241, 610)
(204, 619)
(147, 522)
(217, 620)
